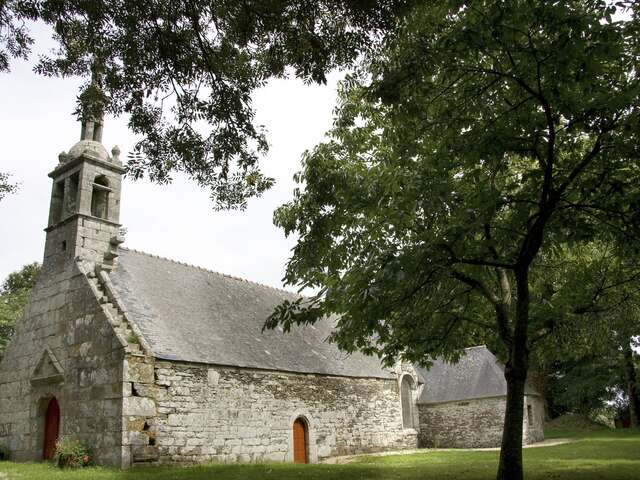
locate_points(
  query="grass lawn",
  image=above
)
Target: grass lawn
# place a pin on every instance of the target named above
(607, 454)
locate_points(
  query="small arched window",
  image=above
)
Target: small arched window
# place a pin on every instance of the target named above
(406, 398)
(100, 197)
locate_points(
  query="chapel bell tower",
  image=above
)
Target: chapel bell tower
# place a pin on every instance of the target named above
(85, 202)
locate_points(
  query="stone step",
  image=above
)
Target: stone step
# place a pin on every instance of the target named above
(116, 315)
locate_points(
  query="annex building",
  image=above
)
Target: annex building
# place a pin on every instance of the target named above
(148, 360)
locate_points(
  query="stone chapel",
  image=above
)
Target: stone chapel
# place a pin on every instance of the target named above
(149, 360)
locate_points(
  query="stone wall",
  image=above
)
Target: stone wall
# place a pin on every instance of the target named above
(474, 423)
(231, 414)
(63, 347)
(466, 424)
(533, 423)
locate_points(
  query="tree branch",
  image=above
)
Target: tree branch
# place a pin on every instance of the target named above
(578, 169)
(502, 315)
(476, 285)
(474, 261)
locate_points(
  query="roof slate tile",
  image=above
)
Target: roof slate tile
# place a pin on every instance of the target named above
(191, 314)
(478, 374)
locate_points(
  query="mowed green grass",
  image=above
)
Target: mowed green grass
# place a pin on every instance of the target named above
(608, 454)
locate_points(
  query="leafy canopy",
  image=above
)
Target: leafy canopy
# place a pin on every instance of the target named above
(184, 71)
(14, 295)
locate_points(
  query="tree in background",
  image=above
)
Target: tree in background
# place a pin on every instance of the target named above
(594, 386)
(14, 295)
(485, 136)
(590, 361)
(631, 379)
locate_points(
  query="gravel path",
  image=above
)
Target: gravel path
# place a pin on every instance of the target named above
(350, 458)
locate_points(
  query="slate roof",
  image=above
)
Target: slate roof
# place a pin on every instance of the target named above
(186, 313)
(478, 374)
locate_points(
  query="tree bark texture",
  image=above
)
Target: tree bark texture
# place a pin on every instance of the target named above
(511, 449)
(515, 373)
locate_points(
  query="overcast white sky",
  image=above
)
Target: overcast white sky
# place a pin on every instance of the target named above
(175, 221)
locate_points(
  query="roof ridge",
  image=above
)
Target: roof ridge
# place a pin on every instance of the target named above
(240, 279)
(477, 346)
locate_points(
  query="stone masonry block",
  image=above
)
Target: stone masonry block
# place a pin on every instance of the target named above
(137, 371)
(139, 406)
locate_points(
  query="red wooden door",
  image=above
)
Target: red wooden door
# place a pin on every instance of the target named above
(299, 441)
(51, 428)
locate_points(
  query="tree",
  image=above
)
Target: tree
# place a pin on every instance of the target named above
(484, 136)
(14, 295)
(593, 294)
(588, 382)
(184, 71)
(632, 386)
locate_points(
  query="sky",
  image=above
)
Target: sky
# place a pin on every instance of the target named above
(176, 221)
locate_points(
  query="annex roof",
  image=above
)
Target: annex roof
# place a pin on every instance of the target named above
(190, 314)
(478, 374)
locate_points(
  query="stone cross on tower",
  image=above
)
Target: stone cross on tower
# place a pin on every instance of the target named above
(92, 124)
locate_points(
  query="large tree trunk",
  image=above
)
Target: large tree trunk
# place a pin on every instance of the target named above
(632, 386)
(511, 452)
(515, 374)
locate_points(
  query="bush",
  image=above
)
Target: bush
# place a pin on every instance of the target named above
(4, 453)
(71, 454)
(575, 422)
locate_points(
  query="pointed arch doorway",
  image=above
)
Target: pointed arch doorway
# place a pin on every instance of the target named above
(51, 429)
(300, 441)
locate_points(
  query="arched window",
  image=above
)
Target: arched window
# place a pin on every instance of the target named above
(71, 197)
(100, 197)
(57, 202)
(406, 398)
(300, 441)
